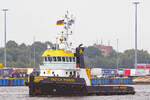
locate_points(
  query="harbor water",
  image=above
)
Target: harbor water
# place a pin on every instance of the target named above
(21, 93)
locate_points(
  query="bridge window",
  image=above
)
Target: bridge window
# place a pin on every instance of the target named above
(74, 60)
(66, 73)
(45, 58)
(49, 58)
(54, 58)
(67, 59)
(63, 59)
(59, 59)
(70, 59)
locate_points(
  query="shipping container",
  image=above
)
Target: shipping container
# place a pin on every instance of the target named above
(109, 71)
(121, 72)
(140, 66)
(94, 81)
(29, 70)
(116, 81)
(96, 71)
(126, 72)
(143, 66)
(111, 81)
(132, 72)
(142, 72)
(147, 66)
(6, 72)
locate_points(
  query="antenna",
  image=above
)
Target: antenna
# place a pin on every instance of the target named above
(67, 23)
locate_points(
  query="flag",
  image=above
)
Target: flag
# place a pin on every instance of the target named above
(70, 22)
(60, 22)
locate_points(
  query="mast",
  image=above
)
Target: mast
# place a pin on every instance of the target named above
(66, 23)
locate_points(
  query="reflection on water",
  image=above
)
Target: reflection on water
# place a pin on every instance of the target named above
(21, 93)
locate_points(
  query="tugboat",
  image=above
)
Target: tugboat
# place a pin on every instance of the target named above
(63, 72)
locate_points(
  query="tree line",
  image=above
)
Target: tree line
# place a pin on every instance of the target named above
(23, 56)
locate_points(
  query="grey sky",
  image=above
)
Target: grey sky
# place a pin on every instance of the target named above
(99, 20)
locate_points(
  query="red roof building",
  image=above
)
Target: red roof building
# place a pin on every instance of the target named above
(104, 49)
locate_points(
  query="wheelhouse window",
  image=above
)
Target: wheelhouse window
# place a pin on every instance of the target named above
(66, 73)
(70, 59)
(54, 58)
(63, 59)
(45, 58)
(50, 59)
(67, 59)
(59, 59)
(74, 59)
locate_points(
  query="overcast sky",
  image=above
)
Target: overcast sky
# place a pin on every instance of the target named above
(99, 20)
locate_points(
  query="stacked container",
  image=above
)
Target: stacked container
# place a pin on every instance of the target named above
(110, 81)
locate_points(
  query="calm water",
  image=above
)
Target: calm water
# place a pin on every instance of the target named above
(21, 93)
